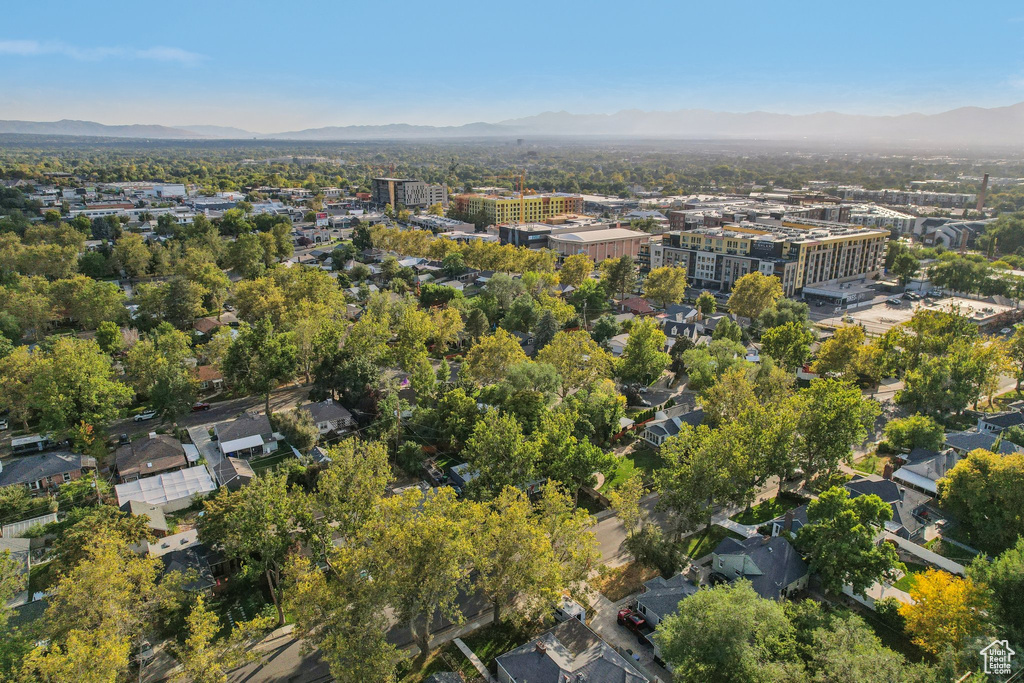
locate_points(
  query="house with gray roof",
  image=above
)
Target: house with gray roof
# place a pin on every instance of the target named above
(923, 468)
(667, 423)
(965, 442)
(661, 597)
(568, 652)
(149, 456)
(44, 472)
(329, 416)
(994, 423)
(771, 564)
(248, 436)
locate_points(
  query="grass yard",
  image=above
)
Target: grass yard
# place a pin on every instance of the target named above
(701, 543)
(486, 643)
(950, 551)
(768, 509)
(269, 462)
(646, 460)
(624, 580)
(910, 578)
(872, 463)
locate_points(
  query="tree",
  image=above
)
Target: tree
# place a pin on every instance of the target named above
(840, 354)
(203, 657)
(905, 266)
(790, 344)
(74, 382)
(259, 359)
(489, 360)
(131, 255)
(12, 581)
(522, 315)
(297, 427)
(577, 358)
(477, 324)
(1004, 577)
(422, 549)
(575, 269)
(436, 209)
(981, 492)
(833, 418)
(916, 431)
(567, 458)
(727, 328)
(784, 311)
(753, 293)
(183, 302)
(546, 329)
(453, 264)
(666, 285)
(1015, 353)
(257, 525)
(706, 303)
(840, 646)
(108, 336)
(347, 491)
(839, 540)
(727, 633)
(643, 359)
(500, 454)
(158, 368)
(619, 274)
(704, 365)
(338, 613)
(247, 256)
(947, 611)
(605, 328)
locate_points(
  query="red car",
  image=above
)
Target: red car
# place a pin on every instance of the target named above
(634, 621)
(201, 405)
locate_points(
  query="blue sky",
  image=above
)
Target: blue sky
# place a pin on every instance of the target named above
(278, 66)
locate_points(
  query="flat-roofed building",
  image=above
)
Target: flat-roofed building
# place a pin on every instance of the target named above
(599, 244)
(511, 209)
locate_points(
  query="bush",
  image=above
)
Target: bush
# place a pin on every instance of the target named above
(410, 458)
(888, 611)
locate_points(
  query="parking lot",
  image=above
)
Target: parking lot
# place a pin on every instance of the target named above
(880, 317)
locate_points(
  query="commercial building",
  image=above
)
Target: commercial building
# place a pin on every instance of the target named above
(509, 209)
(801, 253)
(598, 244)
(413, 194)
(873, 216)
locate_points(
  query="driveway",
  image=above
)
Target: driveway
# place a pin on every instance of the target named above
(604, 623)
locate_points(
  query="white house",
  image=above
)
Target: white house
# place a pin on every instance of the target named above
(329, 416)
(248, 436)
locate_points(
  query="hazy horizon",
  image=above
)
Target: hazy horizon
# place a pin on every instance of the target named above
(312, 64)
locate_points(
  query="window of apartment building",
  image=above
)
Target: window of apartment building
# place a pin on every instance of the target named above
(67, 477)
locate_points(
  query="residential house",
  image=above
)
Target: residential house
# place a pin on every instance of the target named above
(771, 564)
(170, 491)
(995, 423)
(208, 325)
(44, 472)
(149, 456)
(246, 437)
(156, 520)
(922, 469)
(637, 306)
(568, 652)
(965, 442)
(209, 378)
(907, 505)
(233, 473)
(184, 552)
(669, 421)
(660, 599)
(329, 416)
(617, 344)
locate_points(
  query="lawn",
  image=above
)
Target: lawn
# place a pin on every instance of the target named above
(261, 465)
(624, 580)
(910, 578)
(768, 509)
(872, 463)
(646, 460)
(699, 544)
(948, 550)
(487, 643)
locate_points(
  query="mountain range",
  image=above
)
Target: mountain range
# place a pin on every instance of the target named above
(998, 126)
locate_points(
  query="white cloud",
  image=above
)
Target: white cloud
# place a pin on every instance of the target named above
(157, 53)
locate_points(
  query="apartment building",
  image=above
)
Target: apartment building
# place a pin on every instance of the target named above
(413, 194)
(800, 252)
(527, 209)
(873, 216)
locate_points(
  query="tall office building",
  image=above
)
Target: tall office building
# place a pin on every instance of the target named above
(412, 194)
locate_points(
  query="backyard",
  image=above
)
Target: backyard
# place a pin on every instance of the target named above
(641, 458)
(283, 454)
(487, 643)
(700, 543)
(950, 551)
(768, 509)
(910, 578)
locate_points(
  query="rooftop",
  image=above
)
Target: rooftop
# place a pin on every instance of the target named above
(167, 487)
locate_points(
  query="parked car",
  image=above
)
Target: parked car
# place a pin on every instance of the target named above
(200, 405)
(3, 424)
(1006, 330)
(148, 415)
(893, 301)
(228, 307)
(633, 621)
(123, 440)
